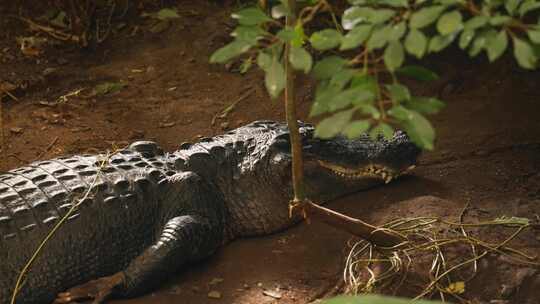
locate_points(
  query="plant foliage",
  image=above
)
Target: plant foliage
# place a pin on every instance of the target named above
(373, 299)
(360, 90)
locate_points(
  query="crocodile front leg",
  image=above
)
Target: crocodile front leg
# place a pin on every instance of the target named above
(183, 239)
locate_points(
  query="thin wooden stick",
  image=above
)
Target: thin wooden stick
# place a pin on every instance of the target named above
(357, 227)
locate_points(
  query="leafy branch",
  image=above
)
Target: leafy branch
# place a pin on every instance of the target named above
(363, 93)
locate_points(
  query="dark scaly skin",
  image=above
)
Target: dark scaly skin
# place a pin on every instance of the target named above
(149, 213)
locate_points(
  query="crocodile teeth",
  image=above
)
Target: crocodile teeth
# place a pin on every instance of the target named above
(370, 171)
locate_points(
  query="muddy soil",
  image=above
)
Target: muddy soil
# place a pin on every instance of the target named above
(487, 154)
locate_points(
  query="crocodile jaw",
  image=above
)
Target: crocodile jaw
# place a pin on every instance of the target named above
(369, 171)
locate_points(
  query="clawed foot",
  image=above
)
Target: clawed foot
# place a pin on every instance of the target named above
(97, 290)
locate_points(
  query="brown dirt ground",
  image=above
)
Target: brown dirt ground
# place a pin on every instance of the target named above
(488, 152)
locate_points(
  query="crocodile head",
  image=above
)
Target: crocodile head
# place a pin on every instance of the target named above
(251, 166)
(339, 166)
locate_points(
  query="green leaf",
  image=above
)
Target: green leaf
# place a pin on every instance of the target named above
(396, 31)
(499, 20)
(361, 96)
(476, 22)
(318, 108)
(300, 59)
(511, 6)
(249, 34)
(374, 299)
(524, 54)
(420, 130)
(230, 51)
(251, 16)
(527, 6)
(342, 78)
(355, 96)
(324, 95)
(394, 55)
(356, 128)
(275, 78)
(418, 73)
(356, 15)
(381, 16)
(465, 38)
(394, 3)
(333, 125)
(496, 45)
(417, 126)
(398, 92)
(425, 105)
(448, 2)
(400, 113)
(365, 81)
(355, 37)
(416, 43)
(369, 109)
(246, 65)
(287, 35)
(378, 38)
(327, 67)
(166, 14)
(534, 35)
(279, 11)
(325, 40)
(382, 129)
(425, 16)
(478, 44)
(438, 43)
(264, 61)
(450, 22)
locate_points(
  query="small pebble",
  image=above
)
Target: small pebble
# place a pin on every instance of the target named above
(48, 71)
(272, 294)
(215, 281)
(166, 124)
(214, 294)
(16, 130)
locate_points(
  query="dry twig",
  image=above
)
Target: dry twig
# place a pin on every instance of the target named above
(423, 237)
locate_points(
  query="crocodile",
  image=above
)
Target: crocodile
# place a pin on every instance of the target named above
(132, 218)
